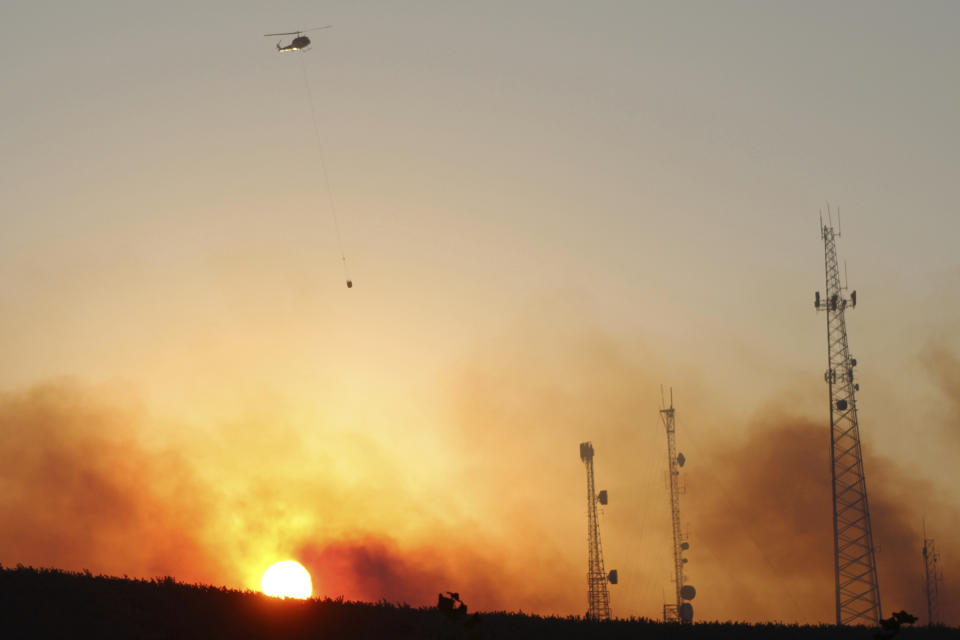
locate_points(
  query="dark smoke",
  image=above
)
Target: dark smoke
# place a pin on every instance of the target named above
(944, 367)
(762, 538)
(78, 491)
(764, 519)
(374, 568)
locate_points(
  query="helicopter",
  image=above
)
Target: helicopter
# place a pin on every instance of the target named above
(299, 43)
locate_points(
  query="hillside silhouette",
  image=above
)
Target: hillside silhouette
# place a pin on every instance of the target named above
(37, 603)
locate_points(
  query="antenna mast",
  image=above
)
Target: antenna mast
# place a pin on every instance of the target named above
(932, 577)
(680, 610)
(598, 597)
(855, 563)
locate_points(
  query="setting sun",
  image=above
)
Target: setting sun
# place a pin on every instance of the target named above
(287, 579)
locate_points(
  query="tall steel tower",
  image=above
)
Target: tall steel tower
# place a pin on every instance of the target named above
(932, 577)
(598, 597)
(679, 610)
(855, 563)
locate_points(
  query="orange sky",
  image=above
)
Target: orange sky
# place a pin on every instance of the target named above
(471, 485)
(548, 211)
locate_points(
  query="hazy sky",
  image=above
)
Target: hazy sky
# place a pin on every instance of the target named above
(547, 208)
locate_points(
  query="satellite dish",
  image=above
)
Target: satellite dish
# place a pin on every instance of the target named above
(684, 560)
(686, 612)
(841, 405)
(684, 546)
(687, 592)
(602, 497)
(681, 459)
(612, 576)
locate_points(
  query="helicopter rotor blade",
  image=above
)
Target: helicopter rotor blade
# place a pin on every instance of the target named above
(296, 33)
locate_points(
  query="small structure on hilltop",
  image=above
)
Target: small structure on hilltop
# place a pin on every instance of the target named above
(453, 606)
(890, 627)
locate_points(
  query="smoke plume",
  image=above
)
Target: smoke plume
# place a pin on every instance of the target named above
(764, 518)
(492, 507)
(78, 490)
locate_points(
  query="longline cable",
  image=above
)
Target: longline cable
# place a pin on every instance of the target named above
(323, 171)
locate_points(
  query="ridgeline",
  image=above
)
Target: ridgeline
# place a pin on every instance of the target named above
(47, 603)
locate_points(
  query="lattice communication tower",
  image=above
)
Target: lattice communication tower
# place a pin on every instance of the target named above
(680, 610)
(932, 578)
(855, 563)
(598, 596)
